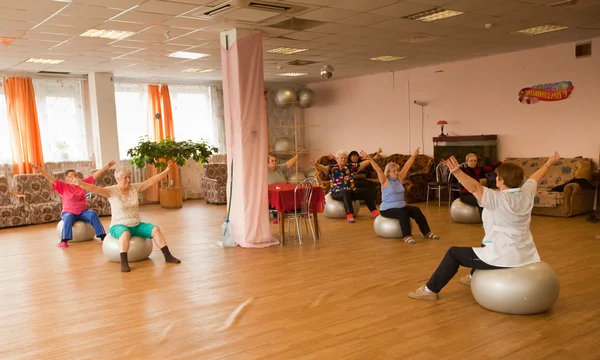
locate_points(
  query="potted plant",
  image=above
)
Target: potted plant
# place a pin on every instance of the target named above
(158, 154)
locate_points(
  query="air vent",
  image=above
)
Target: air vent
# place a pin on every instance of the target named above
(583, 50)
(563, 3)
(54, 72)
(299, 62)
(217, 10)
(250, 12)
(297, 24)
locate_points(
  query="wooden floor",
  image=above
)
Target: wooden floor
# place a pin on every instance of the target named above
(344, 297)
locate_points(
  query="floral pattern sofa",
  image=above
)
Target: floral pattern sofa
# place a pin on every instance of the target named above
(42, 202)
(574, 199)
(13, 211)
(415, 183)
(214, 183)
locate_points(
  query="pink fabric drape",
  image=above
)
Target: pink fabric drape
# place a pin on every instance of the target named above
(247, 142)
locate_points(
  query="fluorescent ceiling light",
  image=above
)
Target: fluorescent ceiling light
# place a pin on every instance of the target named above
(107, 34)
(44, 61)
(187, 55)
(285, 50)
(292, 74)
(388, 58)
(197, 70)
(433, 15)
(541, 29)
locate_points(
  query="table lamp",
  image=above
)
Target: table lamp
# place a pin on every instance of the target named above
(441, 123)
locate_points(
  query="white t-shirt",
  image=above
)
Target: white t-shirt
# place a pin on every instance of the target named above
(125, 209)
(506, 219)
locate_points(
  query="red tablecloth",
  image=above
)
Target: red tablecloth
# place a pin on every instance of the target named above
(281, 197)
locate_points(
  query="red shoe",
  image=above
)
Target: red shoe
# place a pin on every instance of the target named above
(63, 244)
(275, 221)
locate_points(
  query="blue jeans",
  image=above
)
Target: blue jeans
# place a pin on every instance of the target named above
(87, 216)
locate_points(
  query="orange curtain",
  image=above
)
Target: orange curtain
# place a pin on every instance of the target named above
(26, 144)
(159, 102)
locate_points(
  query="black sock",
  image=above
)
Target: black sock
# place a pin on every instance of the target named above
(65, 240)
(168, 257)
(124, 263)
(101, 237)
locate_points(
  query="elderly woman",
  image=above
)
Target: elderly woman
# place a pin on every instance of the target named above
(506, 220)
(342, 184)
(277, 173)
(393, 204)
(125, 220)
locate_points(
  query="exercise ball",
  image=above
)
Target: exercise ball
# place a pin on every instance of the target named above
(283, 148)
(334, 209)
(528, 289)
(82, 231)
(295, 178)
(464, 213)
(306, 98)
(139, 248)
(285, 97)
(312, 172)
(388, 227)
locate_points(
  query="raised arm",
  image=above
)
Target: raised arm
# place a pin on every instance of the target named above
(156, 178)
(472, 185)
(538, 175)
(382, 178)
(291, 161)
(378, 154)
(363, 164)
(99, 172)
(47, 175)
(408, 165)
(92, 188)
(320, 167)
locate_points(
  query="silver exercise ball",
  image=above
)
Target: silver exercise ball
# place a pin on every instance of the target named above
(295, 178)
(528, 289)
(283, 148)
(82, 231)
(464, 213)
(388, 227)
(306, 98)
(285, 97)
(334, 209)
(139, 248)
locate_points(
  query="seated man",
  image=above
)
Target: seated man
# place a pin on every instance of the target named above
(74, 202)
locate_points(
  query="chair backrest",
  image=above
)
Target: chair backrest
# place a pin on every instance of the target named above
(442, 173)
(305, 189)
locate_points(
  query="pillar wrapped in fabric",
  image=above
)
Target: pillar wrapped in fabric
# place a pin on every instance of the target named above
(246, 137)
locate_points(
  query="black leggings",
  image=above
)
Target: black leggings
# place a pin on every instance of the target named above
(404, 215)
(470, 199)
(347, 196)
(455, 257)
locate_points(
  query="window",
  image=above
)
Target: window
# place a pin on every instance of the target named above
(131, 101)
(192, 114)
(5, 151)
(61, 120)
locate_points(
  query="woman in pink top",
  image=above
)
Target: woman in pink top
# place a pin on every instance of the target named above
(74, 202)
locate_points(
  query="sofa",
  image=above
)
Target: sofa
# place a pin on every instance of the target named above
(13, 211)
(214, 183)
(565, 190)
(415, 183)
(42, 202)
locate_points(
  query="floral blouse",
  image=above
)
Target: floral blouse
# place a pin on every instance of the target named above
(342, 178)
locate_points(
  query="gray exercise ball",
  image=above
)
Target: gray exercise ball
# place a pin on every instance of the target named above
(286, 97)
(295, 178)
(306, 98)
(464, 213)
(82, 231)
(139, 248)
(388, 227)
(334, 209)
(283, 148)
(528, 289)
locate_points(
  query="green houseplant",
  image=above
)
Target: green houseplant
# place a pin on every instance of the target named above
(150, 152)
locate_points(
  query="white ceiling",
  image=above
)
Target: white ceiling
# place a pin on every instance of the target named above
(352, 32)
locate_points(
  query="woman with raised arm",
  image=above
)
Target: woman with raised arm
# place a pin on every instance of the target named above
(125, 220)
(342, 184)
(393, 204)
(74, 204)
(506, 220)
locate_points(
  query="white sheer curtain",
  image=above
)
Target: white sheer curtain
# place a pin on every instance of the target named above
(131, 102)
(191, 112)
(218, 117)
(5, 151)
(61, 120)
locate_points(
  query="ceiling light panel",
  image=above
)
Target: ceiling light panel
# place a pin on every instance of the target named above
(292, 74)
(107, 34)
(541, 29)
(44, 61)
(286, 50)
(197, 70)
(434, 15)
(387, 58)
(187, 55)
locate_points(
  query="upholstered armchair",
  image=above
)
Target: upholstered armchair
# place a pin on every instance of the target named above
(43, 203)
(13, 211)
(214, 183)
(99, 203)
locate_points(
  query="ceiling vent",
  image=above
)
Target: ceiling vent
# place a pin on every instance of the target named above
(299, 62)
(249, 12)
(563, 3)
(53, 72)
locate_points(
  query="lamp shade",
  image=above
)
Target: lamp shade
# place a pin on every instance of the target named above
(442, 122)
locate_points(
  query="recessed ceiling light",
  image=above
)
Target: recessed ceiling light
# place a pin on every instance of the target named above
(541, 29)
(6, 40)
(187, 55)
(197, 70)
(433, 15)
(388, 58)
(292, 74)
(107, 34)
(285, 50)
(44, 61)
